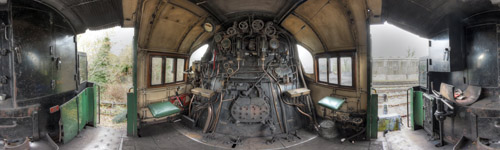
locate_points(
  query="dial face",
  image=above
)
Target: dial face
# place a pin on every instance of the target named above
(208, 27)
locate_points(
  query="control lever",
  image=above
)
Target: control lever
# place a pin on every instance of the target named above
(177, 96)
(441, 114)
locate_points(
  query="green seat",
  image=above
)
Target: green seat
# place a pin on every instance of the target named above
(331, 102)
(163, 109)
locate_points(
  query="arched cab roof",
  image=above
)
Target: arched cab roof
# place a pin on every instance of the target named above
(319, 25)
(89, 14)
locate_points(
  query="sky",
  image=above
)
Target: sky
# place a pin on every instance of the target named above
(198, 54)
(391, 41)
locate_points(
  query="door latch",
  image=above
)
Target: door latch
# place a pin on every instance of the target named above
(446, 55)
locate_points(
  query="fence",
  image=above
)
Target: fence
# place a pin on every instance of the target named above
(395, 69)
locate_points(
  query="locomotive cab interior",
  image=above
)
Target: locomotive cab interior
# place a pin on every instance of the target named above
(248, 86)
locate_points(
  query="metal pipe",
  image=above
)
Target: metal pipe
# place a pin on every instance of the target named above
(190, 104)
(310, 118)
(275, 107)
(309, 99)
(214, 126)
(407, 109)
(209, 119)
(353, 136)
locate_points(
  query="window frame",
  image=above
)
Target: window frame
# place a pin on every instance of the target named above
(338, 55)
(164, 56)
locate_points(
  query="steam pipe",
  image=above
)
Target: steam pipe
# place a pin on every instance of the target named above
(272, 92)
(190, 104)
(309, 100)
(216, 121)
(209, 119)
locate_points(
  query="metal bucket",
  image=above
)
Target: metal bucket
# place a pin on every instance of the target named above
(327, 129)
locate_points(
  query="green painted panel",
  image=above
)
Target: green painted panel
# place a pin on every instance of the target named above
(372, 117)
(96, 104)
(417, 110)
(69, 120)
(411, 117)
(91, 106)
(82, 109)
(131, 114)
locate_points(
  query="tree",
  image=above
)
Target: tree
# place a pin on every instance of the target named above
(410, 53)
(99, 67)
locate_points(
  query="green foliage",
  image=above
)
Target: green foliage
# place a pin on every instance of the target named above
(98, 68)
(109, 66)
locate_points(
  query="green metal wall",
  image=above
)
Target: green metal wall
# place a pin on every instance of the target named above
(372, 118)
(79, 112)
(416, 109)
(131, 114)
(69, 120)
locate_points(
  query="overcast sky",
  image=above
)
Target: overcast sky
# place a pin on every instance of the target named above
(391, 41)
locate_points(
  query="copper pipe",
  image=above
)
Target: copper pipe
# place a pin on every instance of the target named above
(237, 69)
(190, 103)
(209, 119)
(309, 116)
(275, 107)
(216, 121)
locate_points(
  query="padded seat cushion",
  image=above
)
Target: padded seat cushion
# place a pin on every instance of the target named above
(163, 109)
(331, 102)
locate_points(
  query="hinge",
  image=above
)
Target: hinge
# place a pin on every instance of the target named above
(17, 50)
(53, 84)
(4, 52)
(4, 79)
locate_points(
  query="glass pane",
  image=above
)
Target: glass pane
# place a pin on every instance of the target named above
(180, 69)
(346, 71)
(322, 66)
(200, 52)
(169, 70)
(333, 77)
(306, 59)
(156, 63)
(82, 60)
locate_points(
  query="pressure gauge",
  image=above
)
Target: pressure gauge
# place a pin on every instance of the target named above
(208, 27)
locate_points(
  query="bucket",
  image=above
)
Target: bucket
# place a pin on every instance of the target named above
(327, 129)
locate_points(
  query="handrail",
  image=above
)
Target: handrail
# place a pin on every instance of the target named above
(407, 108)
